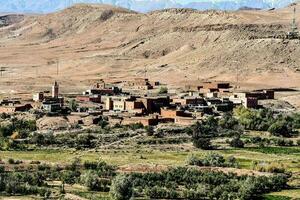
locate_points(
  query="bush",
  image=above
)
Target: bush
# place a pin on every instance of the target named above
(237, 143)
(2, 169)
(149, 130)
(91, 180)
(268, 167)
(194, 160)
(203, 132)
(214, 160)
(121, 188)
(14, 162)
(163, 90)
(280, 128)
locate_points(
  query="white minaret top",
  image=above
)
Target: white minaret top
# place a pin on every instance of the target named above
(55, 90)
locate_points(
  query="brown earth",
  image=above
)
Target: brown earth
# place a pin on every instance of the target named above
(175, 46)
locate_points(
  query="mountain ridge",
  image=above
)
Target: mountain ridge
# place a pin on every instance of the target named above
(176, 46)
(47, 6)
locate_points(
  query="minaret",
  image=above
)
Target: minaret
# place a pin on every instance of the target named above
(55, 90)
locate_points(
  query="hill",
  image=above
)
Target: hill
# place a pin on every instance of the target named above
(176, 46)
(47, 6)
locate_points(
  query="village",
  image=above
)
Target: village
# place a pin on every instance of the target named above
(138, 101)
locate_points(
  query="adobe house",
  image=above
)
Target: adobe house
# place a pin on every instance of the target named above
(115, 102)
(89, 98)
(247, 102)
(209, 86)
(153, 104)
(216, 85)
(185, 121)
(38, 97)
(139, 84)
(171, 113)
(146, 121)
(15, 108)
(189, 101)
(260, 95)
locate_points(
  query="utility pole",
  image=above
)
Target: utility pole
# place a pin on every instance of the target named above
(2, 69)
(237, 76)
(294, 24)
(293, 34)
(57, 67)
(237, 73)
(146, 72)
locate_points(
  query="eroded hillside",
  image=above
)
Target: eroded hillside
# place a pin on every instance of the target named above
(174, 46)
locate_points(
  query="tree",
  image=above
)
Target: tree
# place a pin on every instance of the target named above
(149, 130)
(214, 160)
(163, 90)
(237, 142)
(91, 180)
(121, 188)
(280, 128)
(203, 132)
(73, 105)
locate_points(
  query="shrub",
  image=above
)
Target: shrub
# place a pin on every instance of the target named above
(237, 143)
(121, 188)
(91, 180)
(214, 160)
(194, 160)
(163, 90)
(149, 130)
(203, 132)
(2, 168)
(280, 128)
(14, 162)
(73, 105)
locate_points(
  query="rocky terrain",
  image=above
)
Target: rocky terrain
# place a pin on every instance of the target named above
(176, 46)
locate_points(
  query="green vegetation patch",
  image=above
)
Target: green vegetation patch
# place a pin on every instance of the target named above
(275, 150)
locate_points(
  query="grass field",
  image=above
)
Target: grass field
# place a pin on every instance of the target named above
(284, 195)
(290, 157)
(162, 157)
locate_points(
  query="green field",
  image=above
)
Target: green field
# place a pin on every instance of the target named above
(163, 157)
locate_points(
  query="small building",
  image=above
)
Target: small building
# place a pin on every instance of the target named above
(185, 121)
(51, 106)
(146, 121)
(189, 101)
(247, 102)
(15, 108)
(89, 98)
(171, 113)
(38, 97)
(260, 95)
(153, 104)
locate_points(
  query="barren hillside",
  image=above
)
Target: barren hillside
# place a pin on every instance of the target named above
(174, 46)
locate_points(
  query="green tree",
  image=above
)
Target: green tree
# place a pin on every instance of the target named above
(163, 90)
(203, 132)
(237, 142)
(73, 105)
(280, 128)
(121, 188)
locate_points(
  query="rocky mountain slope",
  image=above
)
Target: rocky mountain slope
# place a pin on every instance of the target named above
(176, 46)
